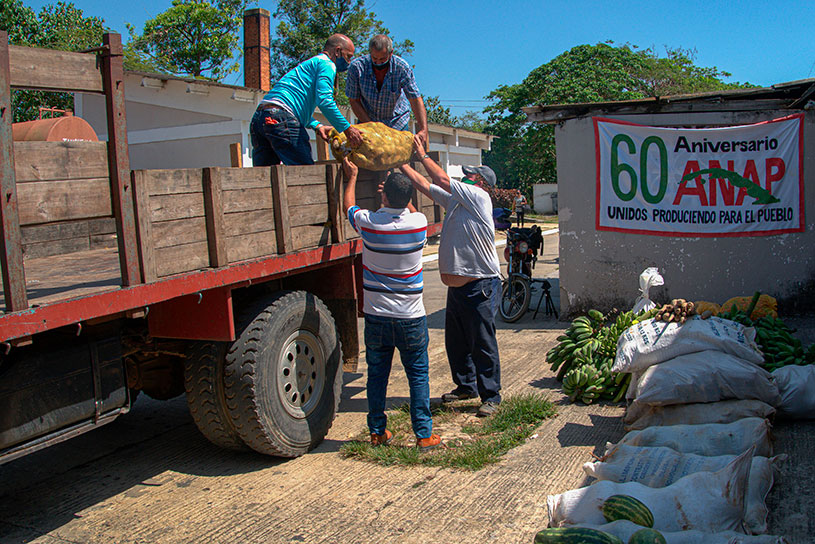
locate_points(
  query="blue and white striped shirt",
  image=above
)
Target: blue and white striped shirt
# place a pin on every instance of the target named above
(389, 104)
(392, 244)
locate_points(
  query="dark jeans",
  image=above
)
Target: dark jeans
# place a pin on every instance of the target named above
(277, 136)
(520, 218)
(409, 336)
(469, 336)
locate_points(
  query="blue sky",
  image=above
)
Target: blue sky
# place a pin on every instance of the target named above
(464, 50)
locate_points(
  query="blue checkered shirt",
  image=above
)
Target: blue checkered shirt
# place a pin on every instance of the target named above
(390, 104)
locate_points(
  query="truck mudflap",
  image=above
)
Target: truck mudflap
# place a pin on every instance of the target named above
(52, 392)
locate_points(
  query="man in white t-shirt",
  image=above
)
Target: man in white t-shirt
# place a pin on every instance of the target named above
(520, 208)
(469, 268)
(392, 241)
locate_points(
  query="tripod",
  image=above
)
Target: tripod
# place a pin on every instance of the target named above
(549, 306)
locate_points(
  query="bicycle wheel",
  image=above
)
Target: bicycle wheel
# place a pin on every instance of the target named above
(515, 297)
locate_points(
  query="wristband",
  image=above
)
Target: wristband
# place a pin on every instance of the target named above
(426, 156)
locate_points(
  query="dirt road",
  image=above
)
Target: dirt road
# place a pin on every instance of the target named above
(151, 477)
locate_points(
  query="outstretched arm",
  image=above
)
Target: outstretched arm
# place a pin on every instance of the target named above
(349, 196)
(437, 174)
(420, 113)
(419, 181)
(359, 110)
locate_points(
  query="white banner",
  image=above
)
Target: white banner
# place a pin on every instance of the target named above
(748, 180)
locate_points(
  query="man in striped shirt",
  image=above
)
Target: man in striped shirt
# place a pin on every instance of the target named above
(392, 241)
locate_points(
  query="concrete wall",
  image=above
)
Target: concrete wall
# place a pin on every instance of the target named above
(542, 201)
(601, 269)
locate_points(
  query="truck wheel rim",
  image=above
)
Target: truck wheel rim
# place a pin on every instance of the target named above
(301, 373)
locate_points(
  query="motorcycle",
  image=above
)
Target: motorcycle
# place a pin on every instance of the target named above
(521, 253)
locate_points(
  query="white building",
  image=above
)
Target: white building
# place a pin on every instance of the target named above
(176, 122)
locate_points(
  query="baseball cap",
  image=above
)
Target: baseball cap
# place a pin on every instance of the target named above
(485, 171)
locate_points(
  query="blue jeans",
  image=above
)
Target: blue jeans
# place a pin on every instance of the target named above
(409, 336)
(469, 336)
(278, 136)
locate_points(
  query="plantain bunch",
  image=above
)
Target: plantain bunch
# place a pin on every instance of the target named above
(774, 337)
(585, 354)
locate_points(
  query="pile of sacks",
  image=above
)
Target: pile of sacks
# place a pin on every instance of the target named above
(699, 449)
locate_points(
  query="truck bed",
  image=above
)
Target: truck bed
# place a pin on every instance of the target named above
(195, 229)
(60, 277)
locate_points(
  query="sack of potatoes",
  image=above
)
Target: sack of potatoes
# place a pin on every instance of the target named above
(382, 147)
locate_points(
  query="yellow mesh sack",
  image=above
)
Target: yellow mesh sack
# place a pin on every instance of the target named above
(766, 305)
(382, 147)
(703, 306)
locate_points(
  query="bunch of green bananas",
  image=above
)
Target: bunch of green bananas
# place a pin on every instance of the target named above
(584, 383)
(579, 339)
(774, 337)
(779, 346)
(588, 347)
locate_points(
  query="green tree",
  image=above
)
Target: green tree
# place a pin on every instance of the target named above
(524, 153)
(57, 26)
(471, 120)
(304, 26)
(197, 38)
(436, 113)
(19, 21)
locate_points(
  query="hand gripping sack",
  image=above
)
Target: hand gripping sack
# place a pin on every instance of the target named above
(709, 502)
(704, 376)
(640, 416)
(709, 439)
(382, 147)
(623, 529)
(650, 342)
(660, 467)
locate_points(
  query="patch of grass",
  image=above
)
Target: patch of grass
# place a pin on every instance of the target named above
(487, 440)
(542, 218)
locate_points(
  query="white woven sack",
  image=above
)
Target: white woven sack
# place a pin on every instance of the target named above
(704, 376)
(708, 439)
(650, 342)
(623, 529)
(797, 387)
(640, 416)
(709, 502)
(660, 467)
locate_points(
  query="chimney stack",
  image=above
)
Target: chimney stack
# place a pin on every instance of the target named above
(256, 63)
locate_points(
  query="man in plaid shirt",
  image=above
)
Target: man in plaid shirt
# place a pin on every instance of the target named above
(381, 87)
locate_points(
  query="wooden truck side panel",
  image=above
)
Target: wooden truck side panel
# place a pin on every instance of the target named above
(102, 264)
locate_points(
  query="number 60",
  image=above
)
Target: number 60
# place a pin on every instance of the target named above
(617, 168)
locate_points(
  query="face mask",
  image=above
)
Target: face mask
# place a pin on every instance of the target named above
(380, 66)
(341, 63)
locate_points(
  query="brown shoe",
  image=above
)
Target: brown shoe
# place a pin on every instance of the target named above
(381, 439)
(425, 444)
(487, 409)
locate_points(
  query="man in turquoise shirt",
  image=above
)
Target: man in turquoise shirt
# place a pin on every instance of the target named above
(278, 128)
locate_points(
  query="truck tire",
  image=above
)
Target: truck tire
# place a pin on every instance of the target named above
(283, 375)
(203, 382)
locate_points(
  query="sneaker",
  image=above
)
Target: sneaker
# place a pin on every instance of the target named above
(455, 395)
(487, 409)
(425, 444)
(381, 439)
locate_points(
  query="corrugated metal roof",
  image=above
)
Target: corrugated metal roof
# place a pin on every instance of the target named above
(792, 94)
